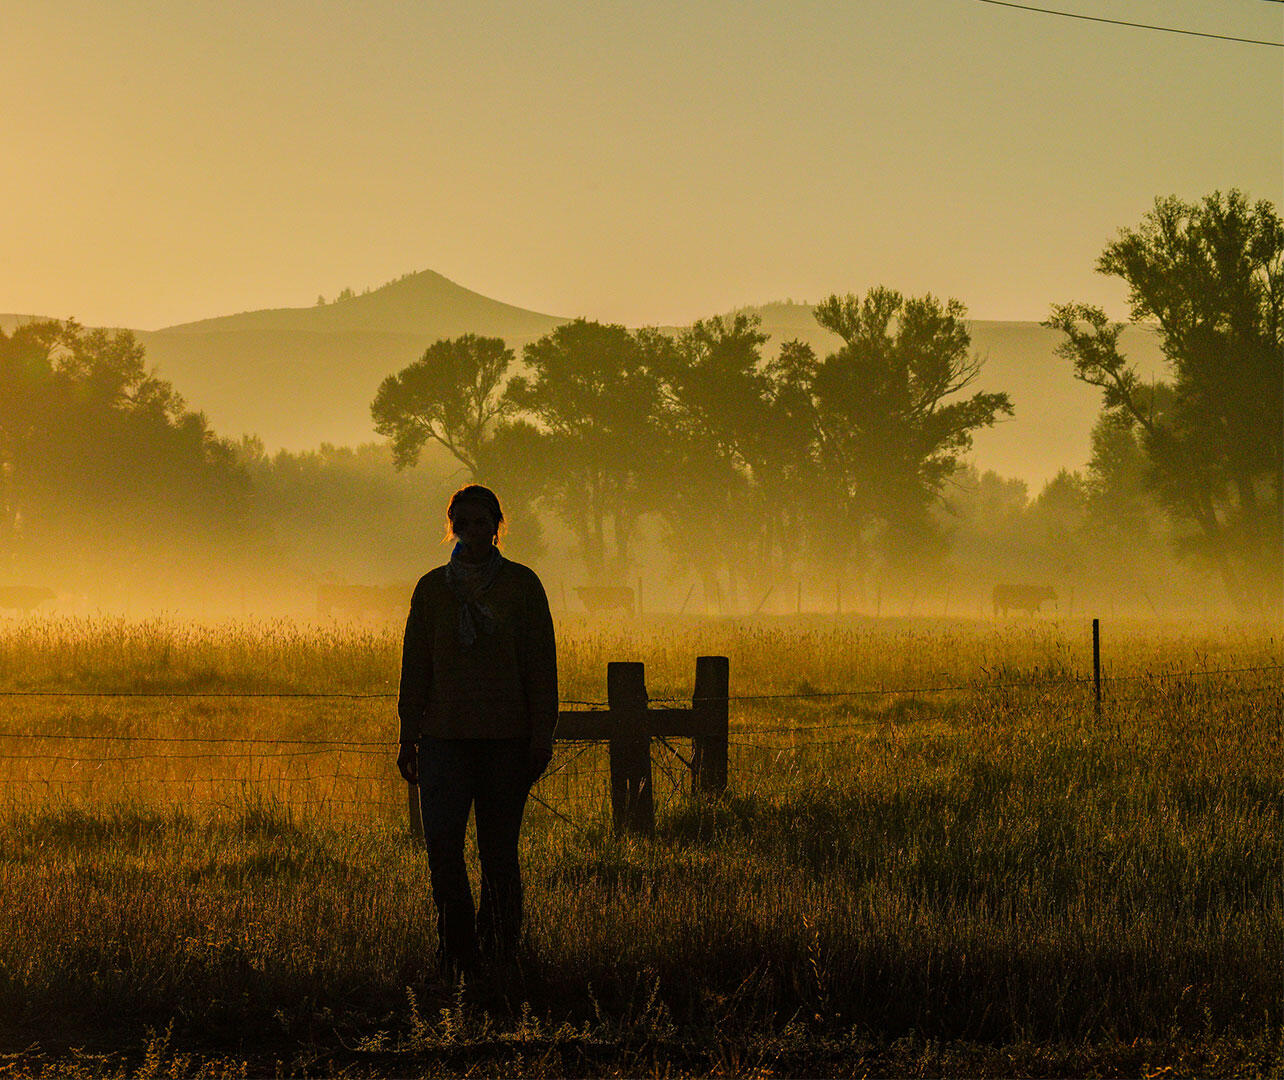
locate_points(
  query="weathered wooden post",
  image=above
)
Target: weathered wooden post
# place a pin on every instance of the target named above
(632, 801)
(415, 815)
(710, 705)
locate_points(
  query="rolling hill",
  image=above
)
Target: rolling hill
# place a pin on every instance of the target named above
(421, 304)
(298, 377)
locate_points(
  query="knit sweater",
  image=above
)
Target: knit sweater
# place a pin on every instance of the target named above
(502, 686)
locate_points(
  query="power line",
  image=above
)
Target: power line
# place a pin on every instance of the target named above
(1139, 26)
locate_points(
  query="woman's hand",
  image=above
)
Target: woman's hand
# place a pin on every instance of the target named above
(408, 762)
(540, 757)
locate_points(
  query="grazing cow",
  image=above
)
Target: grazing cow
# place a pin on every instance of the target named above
(1027, 598)
(24, 597)
(605, 598)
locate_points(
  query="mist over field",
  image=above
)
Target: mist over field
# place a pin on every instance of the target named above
(266, 485)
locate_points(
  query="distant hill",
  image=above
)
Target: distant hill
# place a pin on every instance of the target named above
(424, 304)
(297, 377)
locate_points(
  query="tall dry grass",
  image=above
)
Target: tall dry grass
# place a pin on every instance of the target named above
(985, 880)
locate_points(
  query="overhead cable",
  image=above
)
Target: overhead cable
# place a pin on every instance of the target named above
(1136, 25)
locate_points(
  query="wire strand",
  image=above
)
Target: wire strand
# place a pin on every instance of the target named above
(976, 688)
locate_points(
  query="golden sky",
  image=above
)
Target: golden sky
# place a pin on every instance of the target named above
(645, 162)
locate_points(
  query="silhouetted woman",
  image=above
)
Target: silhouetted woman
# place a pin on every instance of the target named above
(478, 705)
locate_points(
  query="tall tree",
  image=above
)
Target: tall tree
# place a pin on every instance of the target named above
(100, 458)
(716, 423)
(1122, 511)
(453, 395)
(716, 390)
(1211, 276)
(27, 409)
(593, 393)
(890, 428)
(790, 481)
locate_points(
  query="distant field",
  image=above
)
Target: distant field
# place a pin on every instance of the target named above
(956, 869)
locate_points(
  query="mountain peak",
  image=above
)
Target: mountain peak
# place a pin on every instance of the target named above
(424, 303)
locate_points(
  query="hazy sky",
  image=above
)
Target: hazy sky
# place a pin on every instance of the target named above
(642, 162)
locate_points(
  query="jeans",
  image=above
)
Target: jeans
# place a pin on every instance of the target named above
(494, 776)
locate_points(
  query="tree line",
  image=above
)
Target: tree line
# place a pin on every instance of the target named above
(746, 461)
(746, 466)
(104, 471)
(769, 462)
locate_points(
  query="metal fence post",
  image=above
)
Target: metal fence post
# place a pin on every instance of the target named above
(709, 702)
(632, 801)
(1096, 662)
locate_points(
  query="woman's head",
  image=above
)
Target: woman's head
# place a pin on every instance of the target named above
(474, 517)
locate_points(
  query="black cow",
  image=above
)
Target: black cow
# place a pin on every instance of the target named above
(1027, 598)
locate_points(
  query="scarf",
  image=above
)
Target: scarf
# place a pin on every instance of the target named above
(469, 582)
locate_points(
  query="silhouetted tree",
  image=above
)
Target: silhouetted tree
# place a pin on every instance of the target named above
(717, 414)
(511, 460)
(1058, 518)
(1211, 275)
(791, 482)
(1121, 502)
(594, 396)
(101, 460)
(888, 433)
(453, 395)
(716, 393)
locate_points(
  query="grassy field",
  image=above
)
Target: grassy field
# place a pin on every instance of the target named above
(962, 871)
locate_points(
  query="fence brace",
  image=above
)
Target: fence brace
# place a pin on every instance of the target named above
(628, 725)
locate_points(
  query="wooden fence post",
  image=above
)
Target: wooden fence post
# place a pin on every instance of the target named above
(632, 802)
(709, 703)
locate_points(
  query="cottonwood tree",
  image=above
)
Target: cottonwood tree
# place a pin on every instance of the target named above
(889, 426)
(1210, 275)
(453, 395)
(1122, 509)
(716, 418)
(594, 397)
(791, 483)
(100, 458)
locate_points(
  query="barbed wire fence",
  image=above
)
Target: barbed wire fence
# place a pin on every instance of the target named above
(357, 778)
